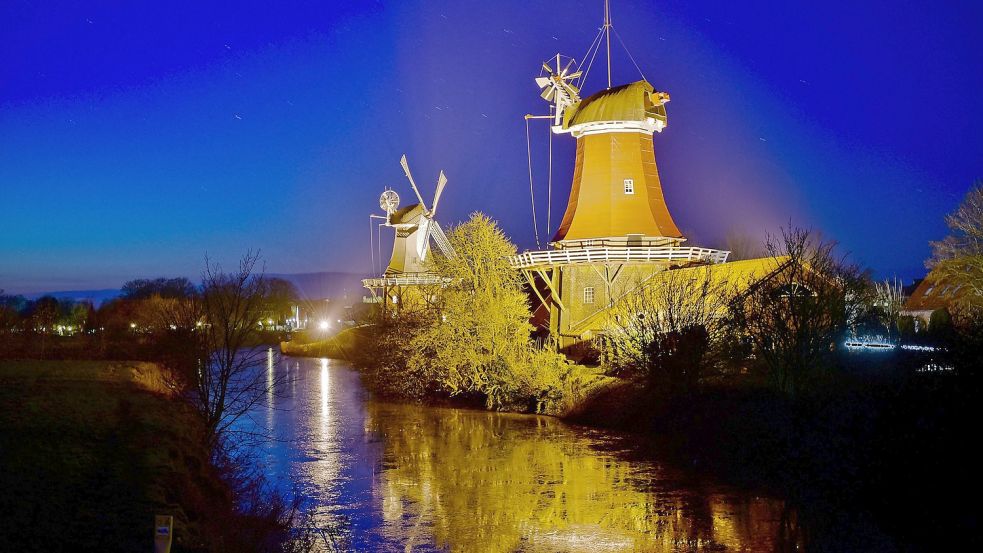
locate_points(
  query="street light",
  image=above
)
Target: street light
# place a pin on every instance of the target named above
(323, 325)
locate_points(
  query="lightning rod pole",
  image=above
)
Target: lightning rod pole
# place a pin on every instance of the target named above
(607, 32)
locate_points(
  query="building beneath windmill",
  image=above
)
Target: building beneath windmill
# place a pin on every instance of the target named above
(617, 232)
(406, 280)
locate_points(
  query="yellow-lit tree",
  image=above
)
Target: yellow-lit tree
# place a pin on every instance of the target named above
(480, 339)
(958, 259)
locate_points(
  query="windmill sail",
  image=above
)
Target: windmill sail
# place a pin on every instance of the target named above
(440, 239)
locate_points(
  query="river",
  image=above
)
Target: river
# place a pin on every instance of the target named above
(394, 477)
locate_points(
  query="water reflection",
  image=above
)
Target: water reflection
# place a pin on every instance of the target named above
(472, 481)
(390, 477)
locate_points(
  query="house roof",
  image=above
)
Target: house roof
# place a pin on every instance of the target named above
(932, 293)
(742, 275)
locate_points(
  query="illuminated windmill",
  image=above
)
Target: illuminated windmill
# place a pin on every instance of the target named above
(416, 229)
(616, 226)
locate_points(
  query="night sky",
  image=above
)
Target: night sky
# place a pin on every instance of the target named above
(136, 137)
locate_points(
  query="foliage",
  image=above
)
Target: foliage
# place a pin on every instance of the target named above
(669, 330)
(141, 289)
(281, 296)
(383, 353)
(10, 307)
(792, 320)
(479, 343)
(468, 337)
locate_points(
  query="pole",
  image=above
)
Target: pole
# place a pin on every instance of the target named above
(607, 32)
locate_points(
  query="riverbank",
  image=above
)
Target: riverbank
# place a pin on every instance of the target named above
(340, 346)
(91, 450)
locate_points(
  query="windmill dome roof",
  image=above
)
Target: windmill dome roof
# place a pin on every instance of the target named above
(630, 102)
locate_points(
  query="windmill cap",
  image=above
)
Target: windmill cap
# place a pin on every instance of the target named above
(637, 101)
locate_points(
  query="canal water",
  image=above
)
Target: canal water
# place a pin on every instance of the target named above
(393, 477)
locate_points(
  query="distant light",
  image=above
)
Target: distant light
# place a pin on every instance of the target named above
(269, 321)
(133, 325)
(324, 325)
(935, 368)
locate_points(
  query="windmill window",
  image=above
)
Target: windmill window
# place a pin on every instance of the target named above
(629, 186)
(589, 294)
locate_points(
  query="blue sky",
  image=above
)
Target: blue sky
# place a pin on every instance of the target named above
(135, 137)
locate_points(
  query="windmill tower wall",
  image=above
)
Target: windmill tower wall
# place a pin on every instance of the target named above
(616, 194)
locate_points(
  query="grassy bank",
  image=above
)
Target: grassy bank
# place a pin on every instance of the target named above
(91, 451)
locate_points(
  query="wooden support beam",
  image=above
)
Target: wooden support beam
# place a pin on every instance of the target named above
(532, 282)
(617, 273)
(554, 295)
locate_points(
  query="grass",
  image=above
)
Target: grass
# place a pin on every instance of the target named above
(90, 451)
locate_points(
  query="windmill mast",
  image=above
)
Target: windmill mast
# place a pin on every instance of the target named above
(607, 32)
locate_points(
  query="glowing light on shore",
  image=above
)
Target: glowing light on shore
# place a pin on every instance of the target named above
(916, 347)
(324, 325)
(868, 344)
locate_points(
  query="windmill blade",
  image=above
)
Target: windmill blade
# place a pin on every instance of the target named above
(441, 183)
(439, 238)
(406, 169)
(548, 94)
(573, 75)
(542, 82)
(567, 68)
(547, 68)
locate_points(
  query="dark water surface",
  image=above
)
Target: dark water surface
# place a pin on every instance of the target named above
(393, 477)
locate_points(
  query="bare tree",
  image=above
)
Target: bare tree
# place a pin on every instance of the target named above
(669, 328)
(211, 343)
(792, 319)
(230, 383)
(958, 258)
(742, 245)
(44, 315)
(889, 301)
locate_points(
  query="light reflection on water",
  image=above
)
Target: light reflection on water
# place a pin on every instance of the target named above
(392, 477)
